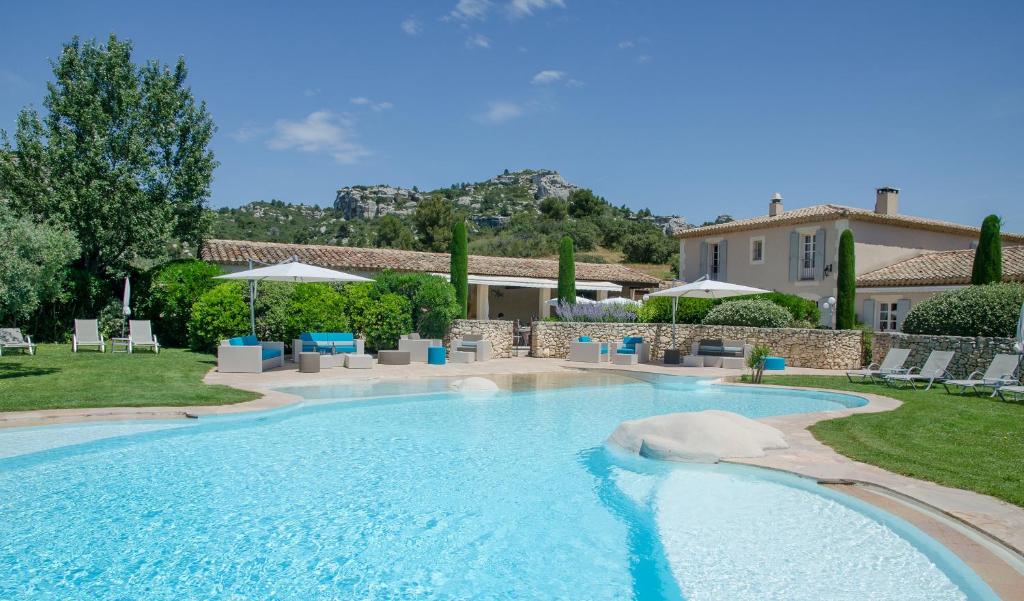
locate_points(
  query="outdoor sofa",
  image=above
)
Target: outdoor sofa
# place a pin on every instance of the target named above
(327, 343)
(723, 353)
(475, 344)
(249, 355)
(1002, 370)
(585, 350)
(12, 338)
(891, 364)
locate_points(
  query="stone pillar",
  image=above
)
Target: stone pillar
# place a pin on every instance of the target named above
(602, 294)
(483, 302)
(544, 295)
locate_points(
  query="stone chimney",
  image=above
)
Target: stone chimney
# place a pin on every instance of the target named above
(887, 201)
(775, 207)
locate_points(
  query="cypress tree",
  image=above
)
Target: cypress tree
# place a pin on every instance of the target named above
(566, 272)
(460, 267)
(988, 259)
(847, 283)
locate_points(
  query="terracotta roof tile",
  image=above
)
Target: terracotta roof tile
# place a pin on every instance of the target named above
(946, 268)
(237, 252)
(829, 212)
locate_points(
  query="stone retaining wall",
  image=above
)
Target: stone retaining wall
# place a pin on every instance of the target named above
(822, 349)
(972, 353)
(497, 331)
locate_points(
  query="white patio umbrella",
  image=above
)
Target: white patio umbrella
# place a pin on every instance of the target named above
(1019, 344)
(703, 288)
(126, 310)
(294, 272)
(619, 300)
(580, 300)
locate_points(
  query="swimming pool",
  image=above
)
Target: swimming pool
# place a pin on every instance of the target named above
(418, 493)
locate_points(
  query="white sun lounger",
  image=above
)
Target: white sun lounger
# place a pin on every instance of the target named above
(1001, 370)
(12, 338)
(1017, 391)
(934, 369)
(140, 334)
(87, 333)
(891, 364)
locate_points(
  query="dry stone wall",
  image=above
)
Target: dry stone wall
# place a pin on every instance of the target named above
(822, 349)
(497, 331)
(971, 353)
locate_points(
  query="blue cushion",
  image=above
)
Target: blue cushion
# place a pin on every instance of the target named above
(626, 350)
(632, 340)
(320, 336)
(584, 338)
(306, 337)
(250, 340)
(344, 348)
(237, 341)
(604, 349)
(270, 353)
(341, 337)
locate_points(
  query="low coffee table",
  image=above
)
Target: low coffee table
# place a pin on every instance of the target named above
(355, 361)
(734, 363)
(309, 363)
(462, 357)
(393, 357)
(693, 361)
(624, 358)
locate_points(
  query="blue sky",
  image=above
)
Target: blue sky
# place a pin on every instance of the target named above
(692, 108)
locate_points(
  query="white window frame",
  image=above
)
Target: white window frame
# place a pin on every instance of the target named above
(753, 244)
(808, 257)
(888, 316)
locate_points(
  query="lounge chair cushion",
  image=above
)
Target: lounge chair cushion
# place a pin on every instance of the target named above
(270, 353)
(250, 340)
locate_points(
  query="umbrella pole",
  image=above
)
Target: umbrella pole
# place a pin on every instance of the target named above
(252, 303)
(675, 303)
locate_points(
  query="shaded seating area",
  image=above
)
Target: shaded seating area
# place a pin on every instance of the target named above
(584, 350)
(891, 364)
(13, 339)
(327, 343)
(1001, 371)
(717, 352)
(247, 354)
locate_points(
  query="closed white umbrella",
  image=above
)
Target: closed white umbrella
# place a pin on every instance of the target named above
(287, 272)
(126, 309)
(619, 300)
(1019, 344)
(703, 288)
(580, 300)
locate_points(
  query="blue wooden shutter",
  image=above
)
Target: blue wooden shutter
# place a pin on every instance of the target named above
(902, 308)
(819, 251)
(794, 256)
(703, 259)
(869, 316)
(722, 260)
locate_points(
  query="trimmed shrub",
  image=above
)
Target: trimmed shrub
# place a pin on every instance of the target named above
(990, 310)
(799, 308)
(689, 310)
(756, 313)
(846, 281)
(460, 267)
(566, 271)
(433, 300)
(173, 289)
(988, 259)
(219, 313)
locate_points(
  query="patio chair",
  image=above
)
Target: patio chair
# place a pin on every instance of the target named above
(247, 354)
(1001, 370)
(633, 345)
(12, 338)
(1016, 390)
(586, 351)
(87, 333)
(140, 334)
(891, 364)
(934, 369)
(474, 343)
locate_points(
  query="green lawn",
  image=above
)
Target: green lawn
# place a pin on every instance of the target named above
(975, 443)
(56, 378)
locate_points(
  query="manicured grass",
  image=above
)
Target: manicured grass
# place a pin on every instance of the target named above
(970, 442)
(56, 378)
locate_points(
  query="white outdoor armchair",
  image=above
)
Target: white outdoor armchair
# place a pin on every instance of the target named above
(140, 335)
(87, 333)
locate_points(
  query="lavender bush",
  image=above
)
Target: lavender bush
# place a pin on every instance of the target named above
(612, 313)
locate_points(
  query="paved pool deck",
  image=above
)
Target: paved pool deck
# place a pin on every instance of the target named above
(986, 532)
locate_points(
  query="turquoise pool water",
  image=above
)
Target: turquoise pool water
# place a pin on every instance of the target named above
(424, 494)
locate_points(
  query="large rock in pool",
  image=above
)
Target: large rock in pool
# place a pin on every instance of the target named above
(475, 386)
(700, 437)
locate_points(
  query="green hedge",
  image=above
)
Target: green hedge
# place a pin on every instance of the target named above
(220, 313)
(989, 310)
(694, 310)
(173, 289)
(755, 313)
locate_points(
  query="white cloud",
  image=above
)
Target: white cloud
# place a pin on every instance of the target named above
(247, 132)
(410, 26)
(360, 100)
(525, 8)
(626, 44)
(500, 112)
(478, 41)
(574, 83)
(643, 58)
(320, 132)
(547, 76)
(470, 9)
(382, 106)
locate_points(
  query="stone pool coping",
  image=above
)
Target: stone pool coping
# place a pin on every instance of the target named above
(806, 456)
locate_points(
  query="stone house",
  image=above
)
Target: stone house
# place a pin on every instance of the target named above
(500, 287)
(795, 252)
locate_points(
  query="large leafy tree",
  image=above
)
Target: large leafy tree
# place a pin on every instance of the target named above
(434, 218)
(584, 203)
(120, 156)
(988, 259)
(846, 276)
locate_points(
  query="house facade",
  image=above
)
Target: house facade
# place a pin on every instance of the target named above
(500, 287)
(795, 252)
